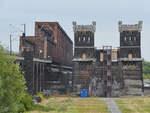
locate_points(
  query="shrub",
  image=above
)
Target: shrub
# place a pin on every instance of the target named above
(12, 83)
(22, 108)
(26, 103)
(146, 76)
(40, 94)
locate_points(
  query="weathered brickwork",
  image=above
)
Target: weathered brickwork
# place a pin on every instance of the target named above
(130, 58)
(84, 54)
(50, 43)
(104, 72)
(92, 69)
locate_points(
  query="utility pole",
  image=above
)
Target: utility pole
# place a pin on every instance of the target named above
(24, 25)
(10, 44)
(18, 29)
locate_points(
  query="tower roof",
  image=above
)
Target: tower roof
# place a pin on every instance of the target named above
(91, 27)
(130, 27)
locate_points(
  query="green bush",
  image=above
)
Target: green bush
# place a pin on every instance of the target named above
(40, 94)
(12, 83)
(22, 108)
(26, 103)
(146, 76)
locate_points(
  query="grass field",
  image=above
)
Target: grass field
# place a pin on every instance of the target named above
(71, 105)
(134, 105)
(91, 105)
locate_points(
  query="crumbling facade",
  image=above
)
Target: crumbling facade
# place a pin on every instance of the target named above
(130, 57)
(84, 55)
(106, 71)
(54, 48)
(50, 41)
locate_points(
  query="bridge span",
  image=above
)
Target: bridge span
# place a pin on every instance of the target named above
(44, 74)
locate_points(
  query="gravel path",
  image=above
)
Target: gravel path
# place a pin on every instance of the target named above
(112, 106)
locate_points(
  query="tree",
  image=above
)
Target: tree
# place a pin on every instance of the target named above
(146, 69)
(12, 84)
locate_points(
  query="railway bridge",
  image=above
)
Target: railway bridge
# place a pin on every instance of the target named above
(44, 74)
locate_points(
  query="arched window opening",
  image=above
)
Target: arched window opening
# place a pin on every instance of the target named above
(79, 39)
(125, 38)
(129, 38)
(83, 56)
(89, 39)
(101, 56)
(134, 38)
(84, 38)
(129, 56)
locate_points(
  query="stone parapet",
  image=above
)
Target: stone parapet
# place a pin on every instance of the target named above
(91, 27)
(130, 27)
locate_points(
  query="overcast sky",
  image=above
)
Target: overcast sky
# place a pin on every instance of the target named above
(106, 13)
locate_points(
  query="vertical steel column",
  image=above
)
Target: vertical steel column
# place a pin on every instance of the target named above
(107, 72)
(33, 84)
(43, 78)
(37, 78)
(40, 76)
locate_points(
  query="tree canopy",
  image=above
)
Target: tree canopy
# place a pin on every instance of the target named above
(146, 69)
(12, 84)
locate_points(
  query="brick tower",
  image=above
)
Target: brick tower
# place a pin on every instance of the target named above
(84, 55)
(130, 57)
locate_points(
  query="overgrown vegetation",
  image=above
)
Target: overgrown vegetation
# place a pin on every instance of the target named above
(26, 103)
(12, 84)
(40, 94)
(146, 69)
(71, 105)
(134, 105)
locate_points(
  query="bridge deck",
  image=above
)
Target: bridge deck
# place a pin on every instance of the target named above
(35, 59)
